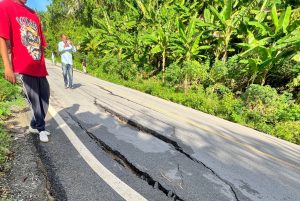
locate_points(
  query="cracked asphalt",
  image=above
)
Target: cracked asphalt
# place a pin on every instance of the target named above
(162, 150)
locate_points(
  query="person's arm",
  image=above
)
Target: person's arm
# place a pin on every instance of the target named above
(63, 49)
(5, 32)
(70, 43)
(8, 70)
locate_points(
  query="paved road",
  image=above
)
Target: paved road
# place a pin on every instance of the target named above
(114, 143)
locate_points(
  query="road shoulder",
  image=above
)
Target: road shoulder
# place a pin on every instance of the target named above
(25, 178)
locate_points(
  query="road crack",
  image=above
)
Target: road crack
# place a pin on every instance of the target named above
(165, 139)
(123, 161)
(139, 104)
(181, 176)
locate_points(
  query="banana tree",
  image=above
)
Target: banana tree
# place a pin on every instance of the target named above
(185, 43)
(115, 35)
(226, 27)
(91, 42)
(274, 43)
(159, 40)
(158, 34)
(227, 23)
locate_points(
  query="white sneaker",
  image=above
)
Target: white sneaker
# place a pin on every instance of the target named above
(43, 136)
(33, 130)
(47, 132)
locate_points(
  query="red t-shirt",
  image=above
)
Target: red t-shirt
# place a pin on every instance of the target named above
(22, 27)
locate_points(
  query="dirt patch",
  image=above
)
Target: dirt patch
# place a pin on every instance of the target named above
(25, 177)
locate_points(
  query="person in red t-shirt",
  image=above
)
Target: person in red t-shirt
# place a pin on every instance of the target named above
(21, 27)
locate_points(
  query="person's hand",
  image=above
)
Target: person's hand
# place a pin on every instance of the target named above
(66, 44)
(9, 75)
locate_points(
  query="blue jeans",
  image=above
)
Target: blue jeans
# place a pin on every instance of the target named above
(67, 70)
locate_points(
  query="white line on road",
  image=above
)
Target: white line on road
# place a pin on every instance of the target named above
(114, 182)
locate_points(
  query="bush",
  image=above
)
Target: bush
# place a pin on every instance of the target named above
(93, 62)
(4, 110)
(283, 72)
(195, 71)
(229, 106)
(263, 103)
(146, 70)
(218, 71)
(174, 74)
(236, 73)
(127, 70)
(219, 89)
(292, 113)
(5, 141)
(8, 92)
(109, 65)
(289, 131)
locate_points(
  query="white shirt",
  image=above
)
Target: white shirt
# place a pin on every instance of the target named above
(66, 53)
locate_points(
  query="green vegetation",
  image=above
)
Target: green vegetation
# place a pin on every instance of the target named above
(9, 97)
(4, 145)
(236, 59)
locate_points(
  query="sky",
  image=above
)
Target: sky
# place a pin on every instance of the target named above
(39, 5)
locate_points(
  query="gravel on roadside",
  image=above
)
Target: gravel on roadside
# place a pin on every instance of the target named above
(26, 178)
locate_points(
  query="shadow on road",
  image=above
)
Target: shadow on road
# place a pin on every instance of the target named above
(77, 85)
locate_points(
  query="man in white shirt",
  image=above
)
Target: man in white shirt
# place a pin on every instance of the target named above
(66, 48)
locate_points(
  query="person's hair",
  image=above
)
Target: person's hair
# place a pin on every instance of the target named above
(61, 35)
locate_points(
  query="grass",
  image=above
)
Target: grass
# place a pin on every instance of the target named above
(9, 97)
(5, 143)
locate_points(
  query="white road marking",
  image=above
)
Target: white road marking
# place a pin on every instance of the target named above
(114, 182)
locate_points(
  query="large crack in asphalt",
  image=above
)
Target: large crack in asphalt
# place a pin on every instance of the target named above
(116, 95)
(165, 139)
(157, 135)
(123, 161)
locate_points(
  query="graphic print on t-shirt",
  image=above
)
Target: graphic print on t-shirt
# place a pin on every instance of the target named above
(30, 37)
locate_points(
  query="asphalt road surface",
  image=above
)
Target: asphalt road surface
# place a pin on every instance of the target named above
(112, 143)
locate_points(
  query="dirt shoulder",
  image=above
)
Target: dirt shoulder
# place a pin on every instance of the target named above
(24, 177)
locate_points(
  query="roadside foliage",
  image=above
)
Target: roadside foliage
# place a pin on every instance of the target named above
(9, 97)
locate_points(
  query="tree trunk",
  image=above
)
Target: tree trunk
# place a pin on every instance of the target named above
(120, 54)
(158, 64)
(263, 81)
(226, 41)
(264, 77)
(225, 56)
(163, 66)
(185, 83)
